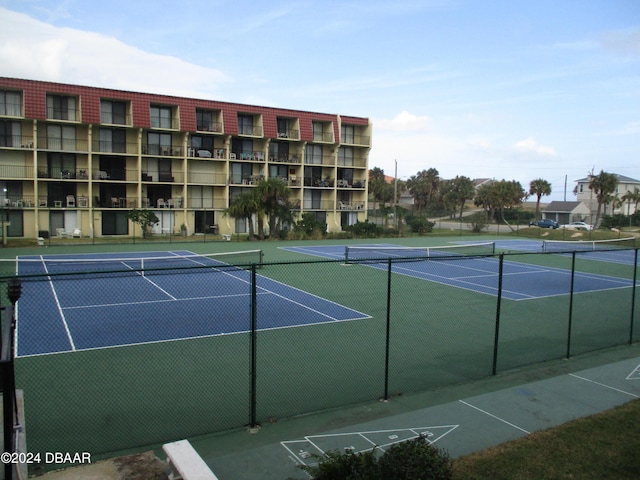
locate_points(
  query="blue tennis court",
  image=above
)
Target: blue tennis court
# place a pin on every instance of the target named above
(522, 281)
(105, 309)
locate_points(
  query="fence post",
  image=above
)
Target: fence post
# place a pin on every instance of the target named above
(633, 294)
(254, 326)
(573, 276)
(386, 356)
(498, 303)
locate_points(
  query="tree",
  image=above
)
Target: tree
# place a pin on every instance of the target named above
(539, 187)
(461, 190)
(603, 185)
(495, 197)
(246, 206)
(146, 219)
(273, 196)
(424, 187)
(630, 197)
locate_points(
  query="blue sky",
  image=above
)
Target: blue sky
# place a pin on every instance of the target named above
(505, 89)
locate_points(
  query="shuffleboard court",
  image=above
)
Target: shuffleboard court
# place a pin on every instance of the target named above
(477, 273)
(105, 309)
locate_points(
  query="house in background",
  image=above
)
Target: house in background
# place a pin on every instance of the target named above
(567, 212)
(588, 197)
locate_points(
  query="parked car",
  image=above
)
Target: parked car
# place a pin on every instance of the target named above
(544, 223)
(578, 226)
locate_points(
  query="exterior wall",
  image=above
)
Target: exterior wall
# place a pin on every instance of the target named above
(71, 172)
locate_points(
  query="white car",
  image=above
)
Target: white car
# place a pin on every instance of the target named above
(577, 226)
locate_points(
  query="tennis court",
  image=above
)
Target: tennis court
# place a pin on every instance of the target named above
(151, 297)
(472, 267)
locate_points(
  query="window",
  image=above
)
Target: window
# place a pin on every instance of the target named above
(313, 154)
(278, 152)
(10, 134)
(10, 103)
(160, 117)
(158, 143)
(347, 134)
(113, 140)
(245, 124)
(242, 148)
(61, 137)
(204, 120)
(61, 107)
(240, 172)
(113, 112)
(278, 171)
(202, 146)
(345, 156)
(61, 165)
(283, 127)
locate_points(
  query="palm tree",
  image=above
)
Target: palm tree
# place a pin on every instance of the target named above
(539, 187)
(273, 196)
(603, 185)
(244, 205)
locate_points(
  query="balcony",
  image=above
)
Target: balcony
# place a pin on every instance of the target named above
(207, 178)
(292, 158)
(321, 205)
(250, 131)
(63, 144)
(357, 140)
(164, 177)
(289, 134)
(319, 182)
(213, 127)
(219, 153)
(115, 147)
(109, 118)
(14, 201)
(16, 141)
(16, 171)
(161, 150)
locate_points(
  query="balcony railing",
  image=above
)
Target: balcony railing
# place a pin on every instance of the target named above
(193, 152)
(321, 205)
(17, 201)
(319, 182)
(109, 118)
(320, 160)
(323, 137)
(174, 176)
(63, 144)
(16, 141)
(358, 140)
(128, 148)
(215, 127)
(290, 134)
(291, 158)
(207, 178)
(16, 171)
(161, 150)
(254, 131)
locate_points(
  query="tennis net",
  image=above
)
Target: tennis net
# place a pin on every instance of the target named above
(373, 252)
(587, 245)
(148, 265)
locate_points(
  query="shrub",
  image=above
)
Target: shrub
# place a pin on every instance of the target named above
(420, 224)
(413, 459)
(477, 221)
(365, 229)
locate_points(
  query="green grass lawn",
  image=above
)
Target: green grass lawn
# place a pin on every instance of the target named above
(605, 446)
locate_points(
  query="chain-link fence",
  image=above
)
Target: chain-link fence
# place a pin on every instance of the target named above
(117, 362)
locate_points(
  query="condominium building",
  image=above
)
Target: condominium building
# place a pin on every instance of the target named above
(77, 158)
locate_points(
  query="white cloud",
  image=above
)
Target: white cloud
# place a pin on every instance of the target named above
(35, 50)
(530, 145)
(403, 122)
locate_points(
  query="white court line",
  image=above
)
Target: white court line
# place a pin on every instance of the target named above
(57, 300)
(604, 385)
(493, 416)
